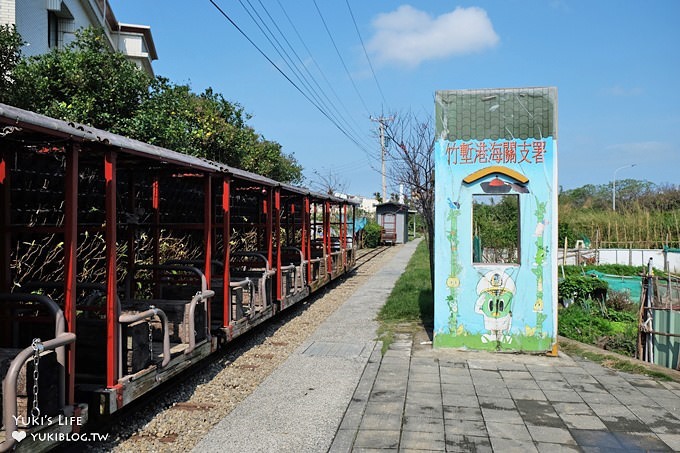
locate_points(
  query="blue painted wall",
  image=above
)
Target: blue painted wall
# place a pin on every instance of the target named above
(496, 306)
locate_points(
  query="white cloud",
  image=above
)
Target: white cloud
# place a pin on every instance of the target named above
(409, 36)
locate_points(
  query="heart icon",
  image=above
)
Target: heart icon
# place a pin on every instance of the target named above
(19, 435)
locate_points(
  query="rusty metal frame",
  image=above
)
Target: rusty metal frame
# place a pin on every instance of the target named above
(266, 212)
(112, 308)
(5, 238)
(5, 216)
(146, 315)
(70, 261)
(327, 236)
(226, 239)
(83, 144)
(208, 241)
(156, 228)
(276, 214)
(354, 234)
(306, 236)
(9, 383)
(131, 232)
(343, 235)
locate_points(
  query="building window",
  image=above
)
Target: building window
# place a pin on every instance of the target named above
(495, 229)
(52, 30)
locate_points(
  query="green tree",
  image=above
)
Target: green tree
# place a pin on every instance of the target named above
(207, 125)
(372, 234)
(85, 82)
(267, 158)
(174, 117)
(630, 190)
(630, 194)
(10, 55)
(496, 223)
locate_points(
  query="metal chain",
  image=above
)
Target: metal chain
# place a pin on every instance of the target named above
(37, 349)
(150, 339)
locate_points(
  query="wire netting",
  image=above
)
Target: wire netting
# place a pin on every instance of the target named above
(496, 114)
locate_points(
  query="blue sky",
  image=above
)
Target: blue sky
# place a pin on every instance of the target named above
(616, 64)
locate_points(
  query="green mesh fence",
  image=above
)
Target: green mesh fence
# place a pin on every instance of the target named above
(631, 285)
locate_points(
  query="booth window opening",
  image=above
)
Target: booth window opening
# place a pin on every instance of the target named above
(495, 229)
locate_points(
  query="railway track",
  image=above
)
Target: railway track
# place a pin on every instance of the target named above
(177, 416)
(366, 255)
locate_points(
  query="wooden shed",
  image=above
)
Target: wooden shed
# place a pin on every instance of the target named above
(393, 218)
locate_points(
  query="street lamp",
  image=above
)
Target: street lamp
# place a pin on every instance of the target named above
(614, 185)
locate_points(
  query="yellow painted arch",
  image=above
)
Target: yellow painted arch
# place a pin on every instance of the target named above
(479, 174)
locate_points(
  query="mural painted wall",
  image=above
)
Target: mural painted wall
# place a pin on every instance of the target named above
(496, 219)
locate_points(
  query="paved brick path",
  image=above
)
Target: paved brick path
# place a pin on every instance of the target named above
(417, 399)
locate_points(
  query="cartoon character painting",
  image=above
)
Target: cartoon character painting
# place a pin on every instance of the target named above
(495, 162)
(496, 291)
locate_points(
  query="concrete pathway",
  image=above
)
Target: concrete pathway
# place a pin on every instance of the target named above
(299, 407)
(337, 393)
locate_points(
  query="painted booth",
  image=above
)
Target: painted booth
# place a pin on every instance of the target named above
(393, 220)
(496, 219)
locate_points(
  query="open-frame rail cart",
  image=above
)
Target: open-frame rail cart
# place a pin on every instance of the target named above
(122, 264)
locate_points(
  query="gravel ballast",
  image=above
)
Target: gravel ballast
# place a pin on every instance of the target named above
(179, 416)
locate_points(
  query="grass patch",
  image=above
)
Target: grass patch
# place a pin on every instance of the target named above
(612, 362)
(613, 330)
(411, 300)
(386, 335)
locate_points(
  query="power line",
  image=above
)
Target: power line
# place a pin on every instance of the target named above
(330, 35)
(274, 42)
(243, 33)
(316, 64)
(349, 166)
(319, 92)
(370, 65)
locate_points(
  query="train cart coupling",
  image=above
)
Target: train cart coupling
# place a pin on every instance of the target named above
(9, 384)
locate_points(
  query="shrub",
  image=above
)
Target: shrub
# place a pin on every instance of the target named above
(610, 269)
(614, 330)
(624, 343)
(578, 323)
(372, 235)
(617, 269)
(618, 300)
(582, 288)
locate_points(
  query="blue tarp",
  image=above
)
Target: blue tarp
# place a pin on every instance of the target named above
(361, 223)
(632, 285)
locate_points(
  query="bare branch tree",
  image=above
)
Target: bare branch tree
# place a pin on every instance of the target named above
(410, 149)
(329, 183)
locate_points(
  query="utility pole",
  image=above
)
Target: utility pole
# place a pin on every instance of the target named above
(381, 121)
